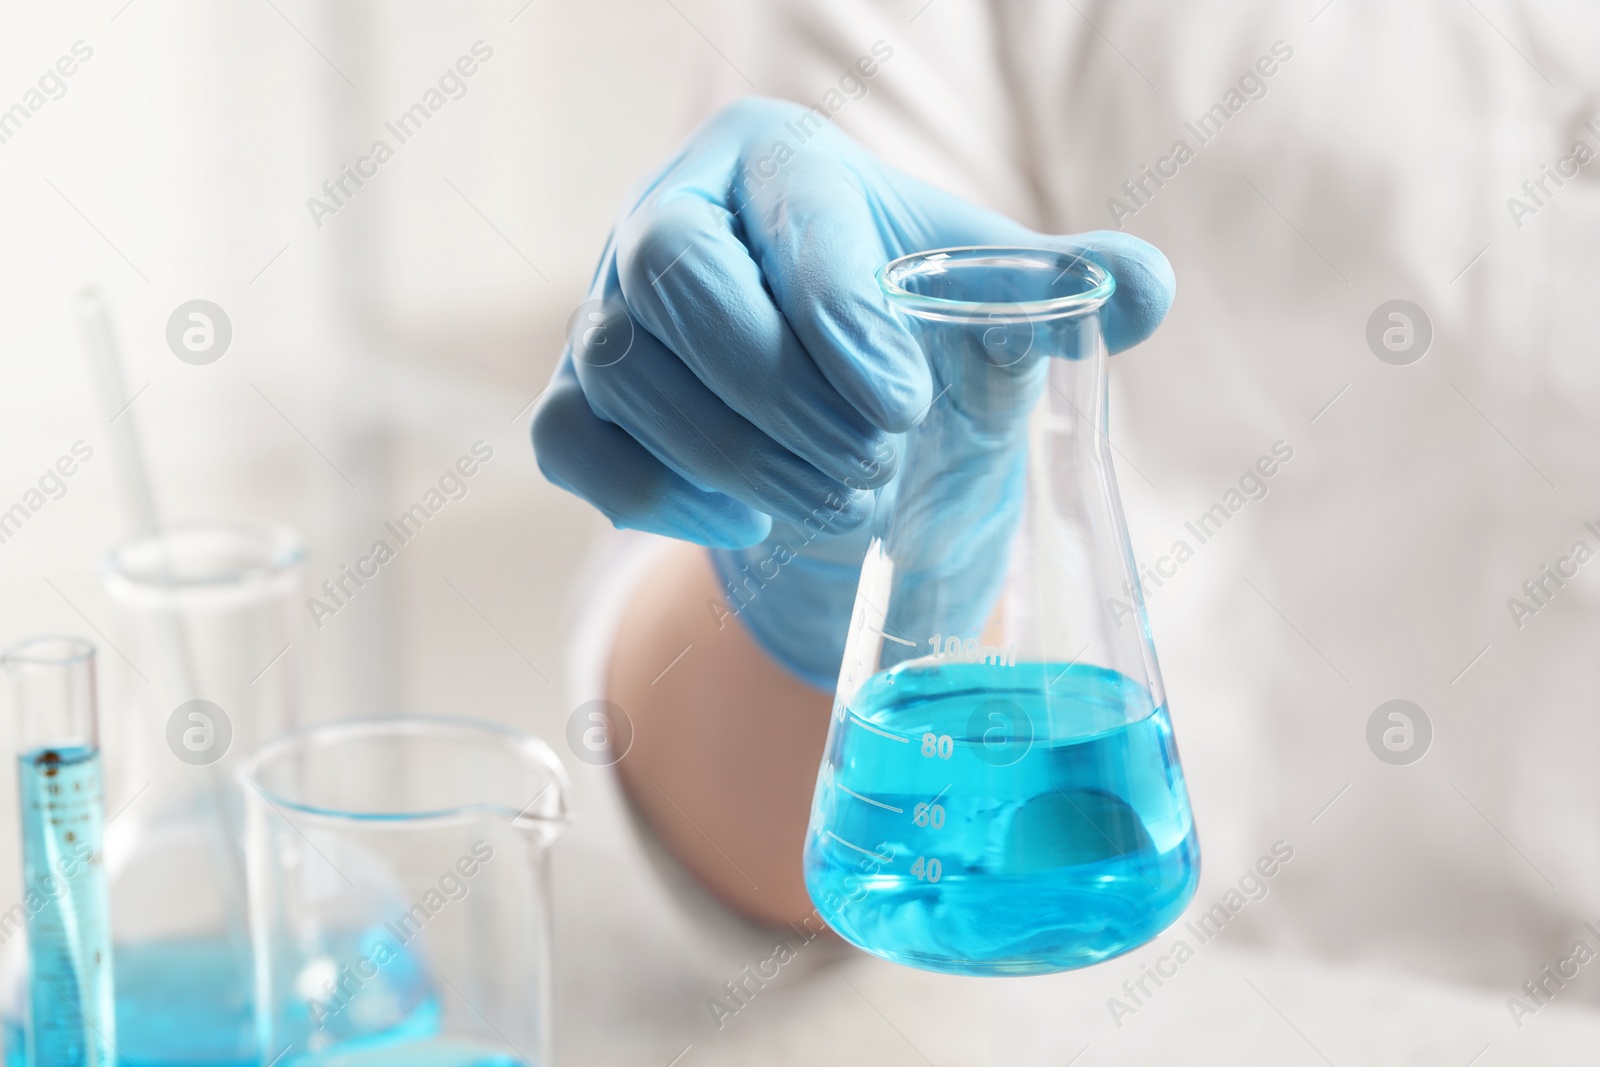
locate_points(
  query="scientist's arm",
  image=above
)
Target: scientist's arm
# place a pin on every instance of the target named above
(726, 743)
(739, 386)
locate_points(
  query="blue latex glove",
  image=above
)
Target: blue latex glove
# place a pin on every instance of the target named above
(739, 380)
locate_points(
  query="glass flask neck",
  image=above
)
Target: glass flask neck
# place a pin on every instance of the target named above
(1002, 538)
(207, 616)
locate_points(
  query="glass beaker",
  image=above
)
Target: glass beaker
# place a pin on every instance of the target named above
(1001, 793)
(207, 629)
(399, 896)
(69, 1007)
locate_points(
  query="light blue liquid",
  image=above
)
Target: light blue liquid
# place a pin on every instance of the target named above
(67, 907)
(388, 1012)
(179, 1004)
(429, 1052)
(1001, 820)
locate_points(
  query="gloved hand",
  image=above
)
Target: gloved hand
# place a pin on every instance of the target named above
(739, 380)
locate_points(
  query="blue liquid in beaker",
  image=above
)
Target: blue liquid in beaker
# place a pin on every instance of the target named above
(965, 821)
(67, 905)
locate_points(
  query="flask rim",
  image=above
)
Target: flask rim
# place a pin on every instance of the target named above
(48, 650)
(204, 555)
(1097, 283)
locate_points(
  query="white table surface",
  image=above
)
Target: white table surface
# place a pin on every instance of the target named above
(636, 969)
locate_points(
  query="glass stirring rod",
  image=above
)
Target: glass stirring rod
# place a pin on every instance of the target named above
(72, 1017)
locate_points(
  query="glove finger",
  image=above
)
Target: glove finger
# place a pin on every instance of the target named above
(688, 280)
(820, 245)
(653, 396)
(1145, 284)
(599, 462)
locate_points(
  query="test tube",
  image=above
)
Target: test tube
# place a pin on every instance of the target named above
(50, 687)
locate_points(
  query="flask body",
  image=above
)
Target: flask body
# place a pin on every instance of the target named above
(1001, 792)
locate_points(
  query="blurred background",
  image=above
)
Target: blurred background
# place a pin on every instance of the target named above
(374, 343)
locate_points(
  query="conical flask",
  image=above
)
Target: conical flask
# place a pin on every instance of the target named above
(1001, 793)
(206, 615)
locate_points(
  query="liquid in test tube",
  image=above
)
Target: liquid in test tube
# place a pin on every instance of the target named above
(72, 1018)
